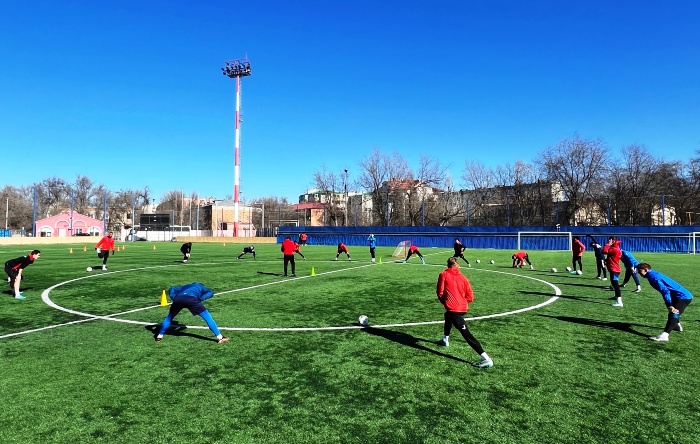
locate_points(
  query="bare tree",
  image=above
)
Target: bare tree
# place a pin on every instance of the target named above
(482, 193)
(330, 186)
(17, 205)
(575, 164)
(83, 194)
(53, 194)
(375, 172)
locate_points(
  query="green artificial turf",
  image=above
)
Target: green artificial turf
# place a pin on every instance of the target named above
(576, 370)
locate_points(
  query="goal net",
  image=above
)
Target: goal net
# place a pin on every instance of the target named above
(544, 240)
(402, 249)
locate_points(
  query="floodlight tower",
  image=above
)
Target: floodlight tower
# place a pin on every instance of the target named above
(237, 69)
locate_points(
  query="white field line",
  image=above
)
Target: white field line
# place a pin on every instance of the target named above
(112, 317)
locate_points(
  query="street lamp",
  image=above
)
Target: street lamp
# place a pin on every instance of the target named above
(346, 197)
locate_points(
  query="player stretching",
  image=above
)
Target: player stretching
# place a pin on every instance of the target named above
(249, 249)
(342, 249)
(459, 251)
(414, 250)
(520, 258)
(675, 297)
(14, 268)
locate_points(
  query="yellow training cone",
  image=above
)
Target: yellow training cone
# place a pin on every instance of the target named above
(123, 247)
(154, 247)
(71, 250)
(84, 248)
(117, 248)
(224, 244)
(313, 272)
(163, 300)
(380, 259)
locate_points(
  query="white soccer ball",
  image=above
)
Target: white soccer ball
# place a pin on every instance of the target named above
(492, 261)
(579, 272)
(478, 261)
(363, 320)
(568, 268)
(89, 268)
(554, 270)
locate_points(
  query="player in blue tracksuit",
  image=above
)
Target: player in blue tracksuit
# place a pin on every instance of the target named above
(190, 296)
(372, 245)
(675, 297)
(630, 270)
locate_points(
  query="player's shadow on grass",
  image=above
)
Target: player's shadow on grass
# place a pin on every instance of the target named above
(11, 293)
(602, 287)
(270, 274)
(177, 329)
(565, 296)
(409, 341)
(625, 327)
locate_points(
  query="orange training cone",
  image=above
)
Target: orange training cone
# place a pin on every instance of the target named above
(163, 300)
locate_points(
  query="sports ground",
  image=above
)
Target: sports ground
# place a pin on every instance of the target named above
(80, 364)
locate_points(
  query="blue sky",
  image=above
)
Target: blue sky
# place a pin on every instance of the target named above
(131, 93)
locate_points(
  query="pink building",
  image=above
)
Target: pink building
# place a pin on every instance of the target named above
(60, 225)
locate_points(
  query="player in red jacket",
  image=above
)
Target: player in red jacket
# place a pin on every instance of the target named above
(455, 293)
(577, 249)
(612, 262)
(297, 250)
(342, 249)
(103, 247)
(288, 252)
(414, 250)
(520, 258)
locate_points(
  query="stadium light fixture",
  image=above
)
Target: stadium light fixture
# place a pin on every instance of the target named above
(236, 69)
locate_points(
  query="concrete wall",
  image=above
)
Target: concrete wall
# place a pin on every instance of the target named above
(228, 240)
(92, 240)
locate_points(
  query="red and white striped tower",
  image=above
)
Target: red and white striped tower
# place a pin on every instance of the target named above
(237, 69)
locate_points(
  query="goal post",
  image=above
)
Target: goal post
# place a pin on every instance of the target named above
(402, 249)
(545, 240)
(693, 241)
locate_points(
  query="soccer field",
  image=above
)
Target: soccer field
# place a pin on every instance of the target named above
(80, 364)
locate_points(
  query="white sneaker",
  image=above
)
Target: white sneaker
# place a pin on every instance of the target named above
(531, 267)
(484, 363)
(335, 259)
(605, 279)
(599, 277)
(444, 342)
(618, 304)
(638, 290)
(184, 261)
(679, 327)
(104, 267)
(469, 265)
(659, 338)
